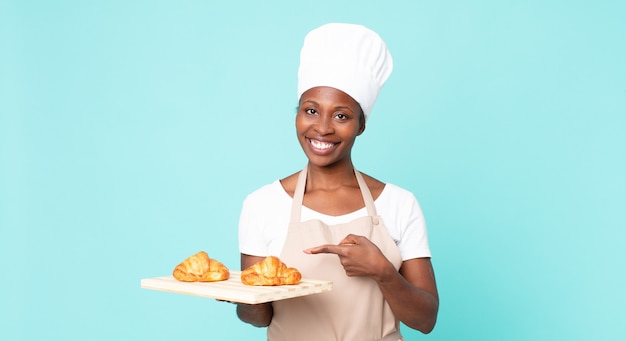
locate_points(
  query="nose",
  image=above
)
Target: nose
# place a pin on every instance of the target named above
(324, 125)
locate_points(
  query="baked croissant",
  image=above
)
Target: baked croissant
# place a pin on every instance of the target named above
(271, 271)
(201, 268)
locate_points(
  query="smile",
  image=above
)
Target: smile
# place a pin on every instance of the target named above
(321, 145)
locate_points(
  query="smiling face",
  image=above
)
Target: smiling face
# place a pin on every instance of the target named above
(327, 123)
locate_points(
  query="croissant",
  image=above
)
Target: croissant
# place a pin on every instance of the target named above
(201, 268)
(271, 271)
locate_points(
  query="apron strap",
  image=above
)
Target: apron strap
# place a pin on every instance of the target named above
(367, 195)
(298, 196)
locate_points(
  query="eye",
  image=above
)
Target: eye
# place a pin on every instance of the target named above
(310, 111)
(341, 116)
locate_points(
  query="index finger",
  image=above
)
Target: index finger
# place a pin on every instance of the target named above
(327, 248)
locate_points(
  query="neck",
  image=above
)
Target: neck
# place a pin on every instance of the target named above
(330, 177)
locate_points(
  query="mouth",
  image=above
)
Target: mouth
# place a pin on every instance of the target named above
(321, 146)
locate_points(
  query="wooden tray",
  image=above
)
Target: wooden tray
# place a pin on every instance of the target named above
(234, 291)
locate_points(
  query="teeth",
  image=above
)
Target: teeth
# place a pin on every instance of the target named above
(321, 145)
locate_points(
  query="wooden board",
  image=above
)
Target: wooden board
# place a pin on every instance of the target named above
(234, 291)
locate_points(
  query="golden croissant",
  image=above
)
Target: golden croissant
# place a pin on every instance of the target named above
(201, 268)
(271, 271)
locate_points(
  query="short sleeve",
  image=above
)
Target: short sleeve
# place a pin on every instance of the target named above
(404, 220)
(413, 241)
(251, 240)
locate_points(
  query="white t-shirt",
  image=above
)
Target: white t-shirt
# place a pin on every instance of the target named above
(266, 212)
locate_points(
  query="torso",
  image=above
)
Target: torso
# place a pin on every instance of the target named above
(355, 309)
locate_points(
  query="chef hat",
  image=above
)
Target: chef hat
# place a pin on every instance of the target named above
(351, 58)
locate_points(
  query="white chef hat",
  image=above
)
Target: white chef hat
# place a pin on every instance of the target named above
(348, 57)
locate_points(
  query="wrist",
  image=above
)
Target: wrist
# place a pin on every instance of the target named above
(386, 273)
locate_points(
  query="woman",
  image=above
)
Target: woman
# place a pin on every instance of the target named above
(332, 222)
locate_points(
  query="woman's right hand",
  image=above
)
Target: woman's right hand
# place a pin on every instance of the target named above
(258, 315)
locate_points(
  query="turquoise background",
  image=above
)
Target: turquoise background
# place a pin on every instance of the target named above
(131, 131)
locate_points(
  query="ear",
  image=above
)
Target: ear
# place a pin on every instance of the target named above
(361, 129)
(362, 124)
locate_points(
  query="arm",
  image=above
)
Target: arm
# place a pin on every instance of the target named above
(258, 315)
(410, 292)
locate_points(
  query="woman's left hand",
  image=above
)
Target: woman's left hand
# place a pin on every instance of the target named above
(358, 255)
(411, 292)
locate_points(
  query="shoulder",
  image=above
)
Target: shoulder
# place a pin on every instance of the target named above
(265, 202)
(375, 186)
(269, 191)
(393, 200)
(399, 202)
(388, 191)
(289, 183)
(398, 193)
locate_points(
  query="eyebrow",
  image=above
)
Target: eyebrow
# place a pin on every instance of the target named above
(336, 107)
(309, 101)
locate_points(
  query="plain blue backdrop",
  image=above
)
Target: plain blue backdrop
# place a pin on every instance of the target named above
(131, 131)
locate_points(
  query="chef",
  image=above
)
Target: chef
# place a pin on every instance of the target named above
(333, 222)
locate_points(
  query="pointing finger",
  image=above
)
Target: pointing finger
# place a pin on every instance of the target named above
(328, 248)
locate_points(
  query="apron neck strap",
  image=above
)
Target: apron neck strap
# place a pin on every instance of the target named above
(298, 196)
(367, 195)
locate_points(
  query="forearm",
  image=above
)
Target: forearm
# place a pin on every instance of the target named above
(258, 315)
(415, 307)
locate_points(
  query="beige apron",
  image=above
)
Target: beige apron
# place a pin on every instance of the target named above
(355, 308)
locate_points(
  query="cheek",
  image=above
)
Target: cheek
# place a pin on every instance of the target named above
(353, 130)
(300, 125)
